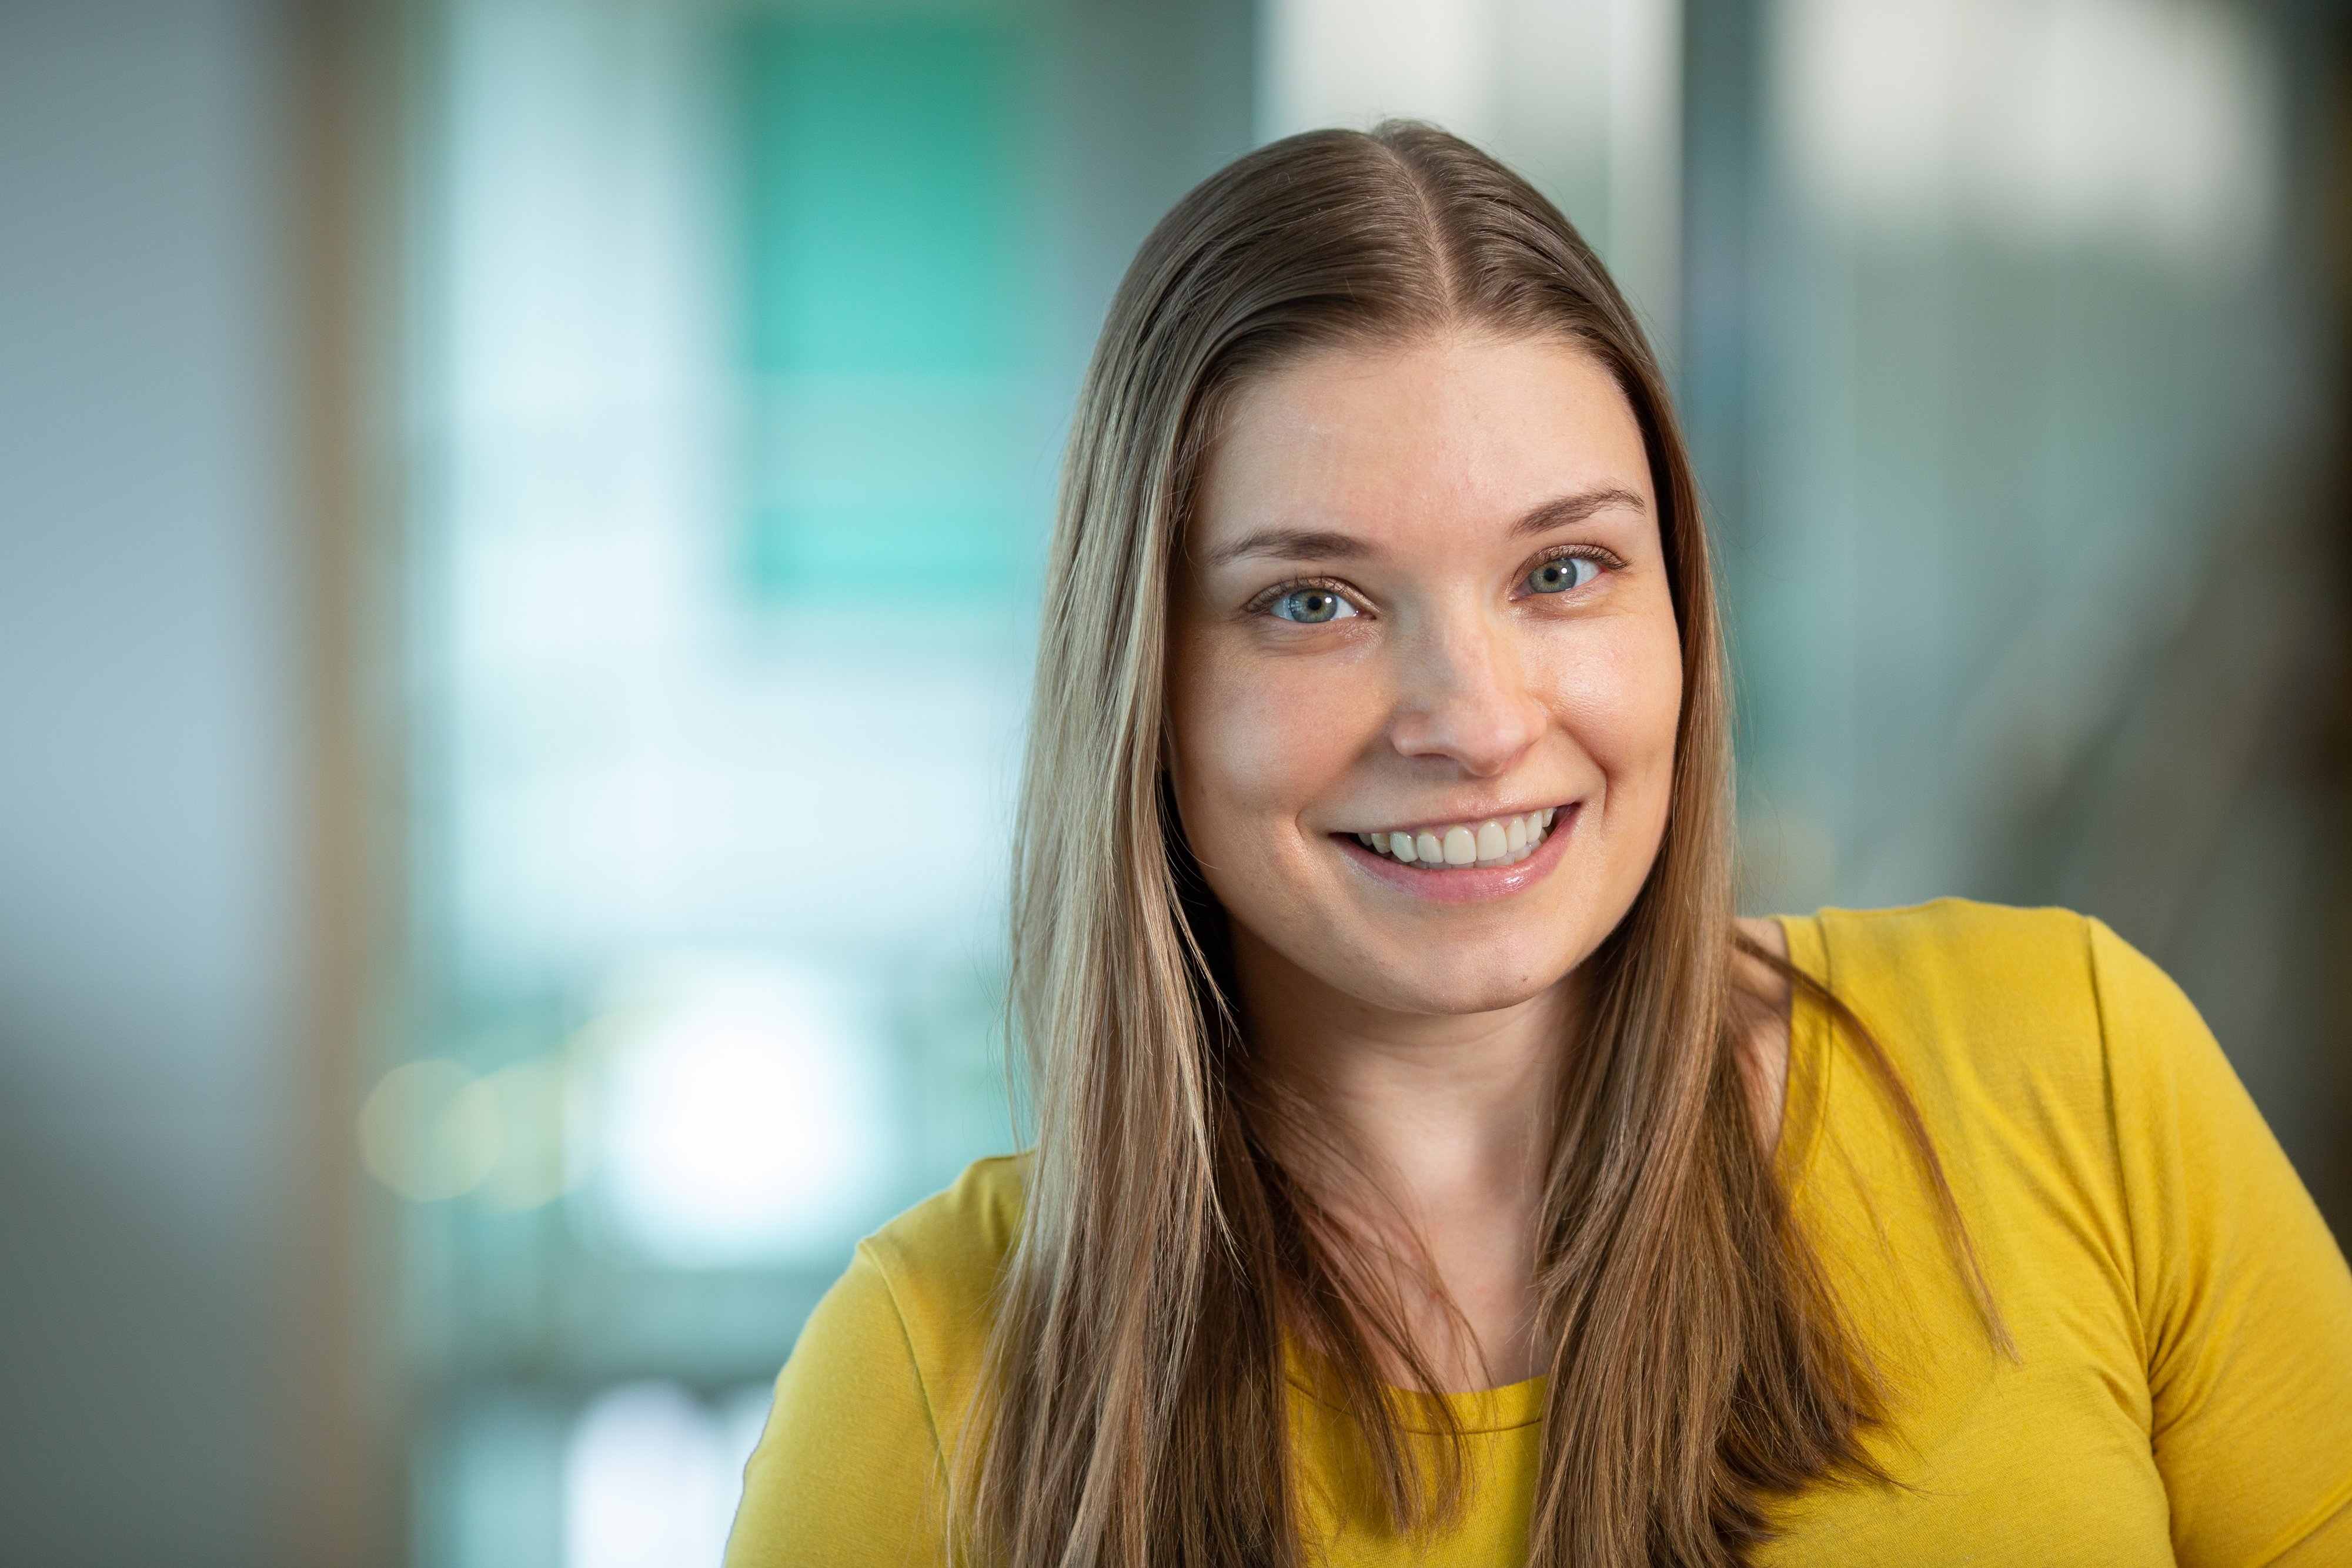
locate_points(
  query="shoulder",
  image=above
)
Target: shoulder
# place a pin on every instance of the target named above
(923, 1285)
(1974, 1005)
(895, 1346)
(1981, 1002)
(939, 1263)
(851, 1466)
(1970, 1004)
(1951, 942)
(1983, 969)
(2015, 969)
(943, 1254)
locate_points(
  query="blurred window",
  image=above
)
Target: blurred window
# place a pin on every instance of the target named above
(733, 465)
(889, 247)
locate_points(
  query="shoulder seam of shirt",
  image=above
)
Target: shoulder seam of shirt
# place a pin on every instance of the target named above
(2091, 926)
(907, 1338)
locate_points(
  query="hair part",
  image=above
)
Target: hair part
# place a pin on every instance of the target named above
(1134, 1406)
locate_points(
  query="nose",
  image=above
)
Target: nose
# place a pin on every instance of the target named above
(1466, 698)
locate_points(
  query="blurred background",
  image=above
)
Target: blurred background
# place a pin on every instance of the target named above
(518, 527)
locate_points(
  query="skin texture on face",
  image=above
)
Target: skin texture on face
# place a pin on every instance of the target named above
(1422, 487)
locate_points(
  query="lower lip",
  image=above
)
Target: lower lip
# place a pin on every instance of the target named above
(1466, 885)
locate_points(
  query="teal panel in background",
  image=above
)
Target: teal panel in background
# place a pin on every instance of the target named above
(884, 174)
(887, 303)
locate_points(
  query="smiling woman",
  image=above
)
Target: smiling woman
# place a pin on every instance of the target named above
(1429, 1166)
(1493, 639)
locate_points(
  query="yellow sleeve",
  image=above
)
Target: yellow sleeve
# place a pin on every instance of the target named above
(2244, 1301)
(848, 1474)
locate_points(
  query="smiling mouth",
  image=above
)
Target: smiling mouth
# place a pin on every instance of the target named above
(1486, 844)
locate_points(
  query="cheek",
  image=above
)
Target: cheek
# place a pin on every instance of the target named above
(1621, 698)
(1256, 741)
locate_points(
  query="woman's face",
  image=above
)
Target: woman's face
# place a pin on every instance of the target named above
(1423, 604)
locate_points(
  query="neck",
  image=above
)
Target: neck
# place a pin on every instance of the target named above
(1442, 1124)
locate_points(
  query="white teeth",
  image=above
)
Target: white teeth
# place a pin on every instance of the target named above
(1494, 841)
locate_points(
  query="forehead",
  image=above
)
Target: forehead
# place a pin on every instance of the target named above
(1453, 431)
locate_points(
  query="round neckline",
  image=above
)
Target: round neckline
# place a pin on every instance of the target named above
(1503, 1409)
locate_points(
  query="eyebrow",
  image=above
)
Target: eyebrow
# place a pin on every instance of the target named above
(1289, 544)
(1323, 544)
(1560, 511)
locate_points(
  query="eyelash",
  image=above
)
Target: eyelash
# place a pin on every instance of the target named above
(1267, 599)
(1608, 560)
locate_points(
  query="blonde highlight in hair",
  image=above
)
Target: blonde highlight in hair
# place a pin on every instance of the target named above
(1133, 1408)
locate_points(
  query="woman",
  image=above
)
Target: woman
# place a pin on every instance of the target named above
(1429, 1167)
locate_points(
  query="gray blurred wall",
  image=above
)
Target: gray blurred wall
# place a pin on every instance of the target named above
(149, 754)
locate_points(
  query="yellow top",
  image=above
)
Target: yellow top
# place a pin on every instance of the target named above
(2183, 1388)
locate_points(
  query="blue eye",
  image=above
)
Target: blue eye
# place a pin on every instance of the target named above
(1312, 606)
(1560, 575)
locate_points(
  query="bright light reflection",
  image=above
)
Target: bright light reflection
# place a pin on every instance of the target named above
(429, 1131)
(740, 1115)
(651, 1475)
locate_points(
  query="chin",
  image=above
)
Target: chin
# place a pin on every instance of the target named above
(1458, 990)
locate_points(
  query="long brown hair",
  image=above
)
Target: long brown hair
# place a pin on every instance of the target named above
(1133, 1407)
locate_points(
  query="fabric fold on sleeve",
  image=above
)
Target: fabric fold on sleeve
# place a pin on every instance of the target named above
(2243, 1293)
